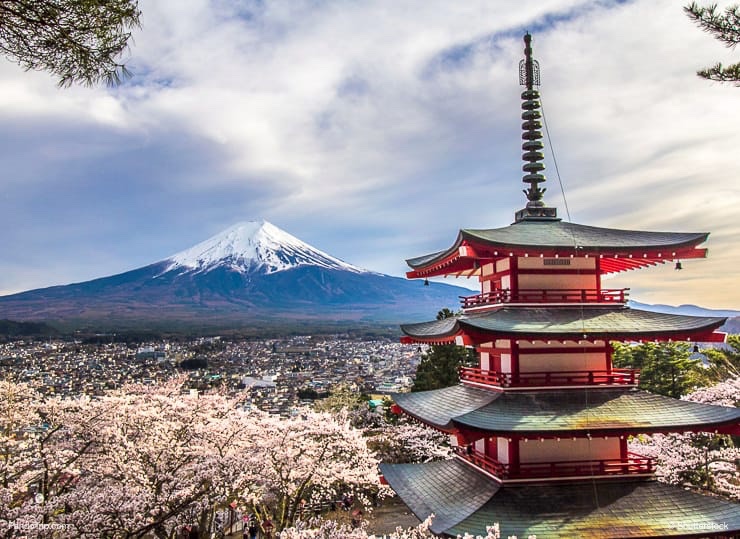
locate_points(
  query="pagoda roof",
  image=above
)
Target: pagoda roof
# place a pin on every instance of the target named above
(453, 490)
(587, 322)
(600, 412)
(554, 237)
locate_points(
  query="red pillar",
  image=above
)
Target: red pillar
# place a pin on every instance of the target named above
(514, 457)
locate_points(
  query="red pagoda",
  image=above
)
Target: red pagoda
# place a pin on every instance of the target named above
(540, 426)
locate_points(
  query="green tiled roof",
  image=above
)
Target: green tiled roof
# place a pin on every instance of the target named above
(598, 411)
(438, 406)
(567, 322)
(560, 234)
(593, 509)
(449, 489)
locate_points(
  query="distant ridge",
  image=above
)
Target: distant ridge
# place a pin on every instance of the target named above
(252, 273)
(733, 317)
(691, 310)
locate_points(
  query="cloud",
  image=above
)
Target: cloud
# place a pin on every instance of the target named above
(372, 130)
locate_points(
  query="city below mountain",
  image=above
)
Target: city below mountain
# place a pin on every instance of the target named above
(250, 275)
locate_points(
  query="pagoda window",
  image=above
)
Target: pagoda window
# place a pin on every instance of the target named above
(507, 365)
(485, 361)
(480, 446)
(502, 450)
(506, 282)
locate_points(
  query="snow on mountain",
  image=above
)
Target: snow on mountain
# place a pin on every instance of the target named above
(254, 246)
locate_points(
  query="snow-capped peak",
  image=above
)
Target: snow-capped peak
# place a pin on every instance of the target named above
(255, 246)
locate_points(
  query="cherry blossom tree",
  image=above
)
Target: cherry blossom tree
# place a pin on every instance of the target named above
(407, 441)
(151, 471)
(699, 460)
(308, 460)
(43, 443)
(394, 439)
(149, 461)
(327, 529)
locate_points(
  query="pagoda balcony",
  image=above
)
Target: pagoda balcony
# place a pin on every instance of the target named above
(550, 295)
(618, 377)
(634, 464)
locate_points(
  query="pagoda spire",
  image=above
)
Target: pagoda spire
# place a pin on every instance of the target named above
(529, 76)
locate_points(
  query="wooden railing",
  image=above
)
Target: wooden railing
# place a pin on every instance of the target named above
(550, 378)
(553, 295)
(633, 464)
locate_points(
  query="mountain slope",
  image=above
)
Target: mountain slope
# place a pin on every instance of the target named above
(251, 272)
(733, 317)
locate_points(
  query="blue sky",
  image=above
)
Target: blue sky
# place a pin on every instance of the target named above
(373, 131)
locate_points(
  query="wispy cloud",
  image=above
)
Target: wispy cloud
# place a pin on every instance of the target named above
(373, 130)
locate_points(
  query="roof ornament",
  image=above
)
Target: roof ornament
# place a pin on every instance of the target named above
(529, 76)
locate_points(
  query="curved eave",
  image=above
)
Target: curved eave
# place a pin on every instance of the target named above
(450, 490)
(598, 413)
(577, 412)
(464, 500)
(565, 323)
(438, 407)
(603, 510)
(622, 250)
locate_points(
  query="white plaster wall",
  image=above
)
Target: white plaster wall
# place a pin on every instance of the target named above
(549, 282)
(562, 362)
(502, 265)
(569, 449)
(480, 445)
(487, 269)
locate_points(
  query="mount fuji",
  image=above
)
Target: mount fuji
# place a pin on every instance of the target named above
(251, 274)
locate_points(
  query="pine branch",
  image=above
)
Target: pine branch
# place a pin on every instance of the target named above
(77, 40)
(725, 27)
(719, 73)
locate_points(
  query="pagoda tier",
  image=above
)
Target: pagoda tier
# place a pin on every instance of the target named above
(556, 435)
(547, 347)
(617, 412)
(464, 500)
(565, 323)
(611, 249)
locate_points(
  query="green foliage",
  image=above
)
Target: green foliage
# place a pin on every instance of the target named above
(668, 368)
(12, 328)
(723, 26)
(76, 40)
(439, 367)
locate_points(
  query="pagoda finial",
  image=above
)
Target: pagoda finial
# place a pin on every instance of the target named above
(529, 76)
